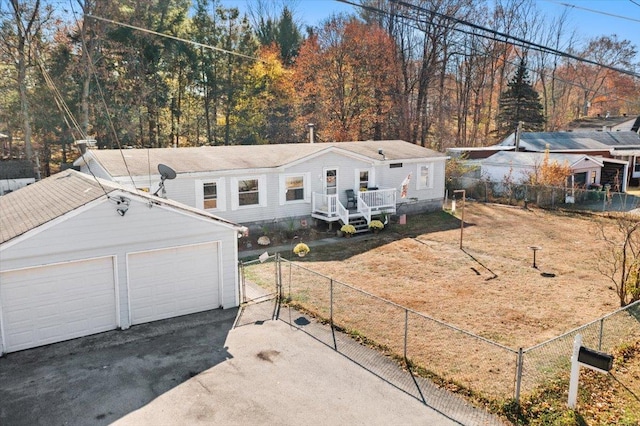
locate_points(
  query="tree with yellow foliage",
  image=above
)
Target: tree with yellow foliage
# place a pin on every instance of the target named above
(550, 173)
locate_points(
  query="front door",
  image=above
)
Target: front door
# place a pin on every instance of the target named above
(330, 181)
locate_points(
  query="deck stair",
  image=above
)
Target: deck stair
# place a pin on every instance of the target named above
(360, 223)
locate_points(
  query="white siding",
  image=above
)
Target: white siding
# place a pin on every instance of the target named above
(101, 231)
(173, 281)
(52, 303)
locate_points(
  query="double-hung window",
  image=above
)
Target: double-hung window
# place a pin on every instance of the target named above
(294, 187)
(210, 192)
(363, 179)
(248, 192)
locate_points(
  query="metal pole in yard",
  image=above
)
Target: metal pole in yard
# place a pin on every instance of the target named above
(464, 195)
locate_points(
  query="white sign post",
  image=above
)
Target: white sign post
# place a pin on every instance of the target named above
(575, 372)
(595, 360)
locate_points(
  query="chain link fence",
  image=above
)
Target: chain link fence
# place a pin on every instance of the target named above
(425, 344)
(552, 359)
(428, 346)
(602, 199)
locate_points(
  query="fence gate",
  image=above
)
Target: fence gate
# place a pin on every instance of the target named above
(258, 280)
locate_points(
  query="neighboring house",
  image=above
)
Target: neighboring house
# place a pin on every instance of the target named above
(80, 256)
(604, 123)
(519, 166)
(288, 183)
(618, 151)
(15, 174)
(621, 146)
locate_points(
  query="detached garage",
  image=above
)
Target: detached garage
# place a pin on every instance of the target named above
(80, 256)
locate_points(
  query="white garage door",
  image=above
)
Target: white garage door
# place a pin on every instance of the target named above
(52, 303)
(174, 281)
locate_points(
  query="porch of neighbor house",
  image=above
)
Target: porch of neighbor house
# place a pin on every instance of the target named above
(366, 206)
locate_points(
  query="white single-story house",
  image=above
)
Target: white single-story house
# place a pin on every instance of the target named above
(80, 255)
(287, 183)
(623, 146)
(518, 166)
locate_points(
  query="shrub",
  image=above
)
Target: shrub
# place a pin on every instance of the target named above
(376, 225)
(348, 229)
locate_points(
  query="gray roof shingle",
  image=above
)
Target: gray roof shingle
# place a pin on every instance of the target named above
(140, 162)
(59, 194)
(560, 141)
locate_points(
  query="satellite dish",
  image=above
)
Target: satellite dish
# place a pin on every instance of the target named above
(166, 172)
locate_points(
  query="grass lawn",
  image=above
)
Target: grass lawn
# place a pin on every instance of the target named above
(489, 288)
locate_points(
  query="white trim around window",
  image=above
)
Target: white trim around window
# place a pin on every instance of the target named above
(220, 194)
(306, 192)
(424, 176)
(371, 182)
(235, 193)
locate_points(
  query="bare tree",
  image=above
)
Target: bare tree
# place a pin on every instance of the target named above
(20, 43)
(620, 260)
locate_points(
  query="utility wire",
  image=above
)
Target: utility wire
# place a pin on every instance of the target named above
(492, 38)
(93, 71)
(195, 43)
(507, 37)
(600, 12)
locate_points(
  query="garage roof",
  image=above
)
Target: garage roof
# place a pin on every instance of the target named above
(241, 157)
(50, 198)
(562, 141)
(530, 159)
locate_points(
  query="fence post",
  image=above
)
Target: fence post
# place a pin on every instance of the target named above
(406, 335)
(333, 330)
(242, 289)
(519, 375)
(331, 302)
(601, 333)
(278, 279)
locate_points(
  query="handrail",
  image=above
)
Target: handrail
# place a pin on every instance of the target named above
(343, 212)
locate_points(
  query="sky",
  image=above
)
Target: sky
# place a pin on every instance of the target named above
(595, 22)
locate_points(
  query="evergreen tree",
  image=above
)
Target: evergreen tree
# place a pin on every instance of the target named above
(519, 103)
(284, 33)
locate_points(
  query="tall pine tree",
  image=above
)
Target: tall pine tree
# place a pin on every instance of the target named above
(519, 103)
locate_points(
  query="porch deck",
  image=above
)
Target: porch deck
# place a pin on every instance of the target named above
(369, 203)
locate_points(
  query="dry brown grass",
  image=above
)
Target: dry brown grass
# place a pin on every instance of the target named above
(490, 287)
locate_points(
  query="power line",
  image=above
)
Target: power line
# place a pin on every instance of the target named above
(195, 43)
(492, 38)
(507, 37)
(599, 12)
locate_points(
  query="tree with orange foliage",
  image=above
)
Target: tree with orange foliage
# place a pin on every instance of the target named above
(346, 78)
(550, 173)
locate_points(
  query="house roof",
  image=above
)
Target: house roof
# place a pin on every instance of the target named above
(141, 162)
(564, 141)
(57, 195)
(621, 122)
(529, 159)
(16, 169)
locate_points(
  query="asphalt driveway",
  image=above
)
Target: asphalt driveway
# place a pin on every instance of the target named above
(198, 369)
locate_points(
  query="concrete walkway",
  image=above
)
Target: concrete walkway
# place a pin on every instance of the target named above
(278, 373)
(217, 367)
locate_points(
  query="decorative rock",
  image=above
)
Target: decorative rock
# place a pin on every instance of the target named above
(264, 241)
